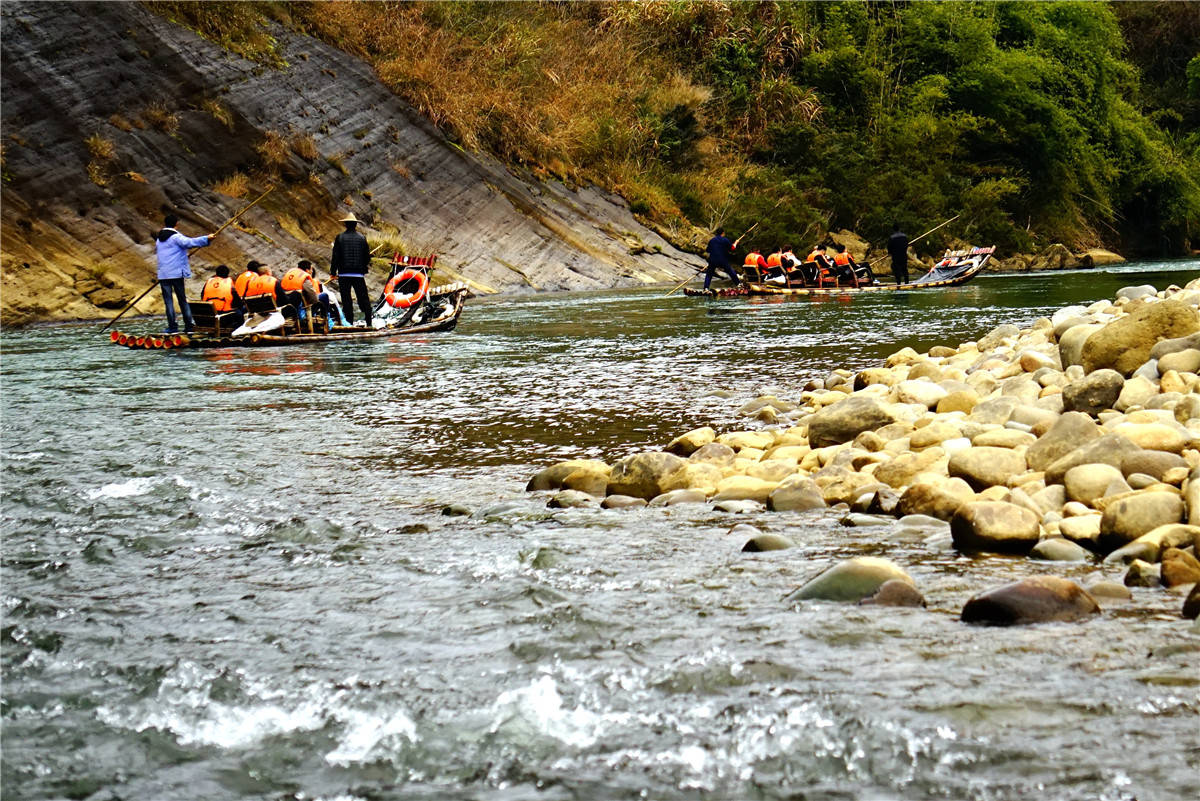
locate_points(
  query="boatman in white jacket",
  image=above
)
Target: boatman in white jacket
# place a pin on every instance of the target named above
(172, 249)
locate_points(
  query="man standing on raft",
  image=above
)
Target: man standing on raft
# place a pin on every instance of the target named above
(349, 264)
(718, 249)
(897, 246)
(171, 248)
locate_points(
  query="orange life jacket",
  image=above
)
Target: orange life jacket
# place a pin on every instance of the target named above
(752, 259)
(262, 285)
(812, 257)
(243, 282)
(220, 292)
(775, 260)
(294, 279)
(841, 259)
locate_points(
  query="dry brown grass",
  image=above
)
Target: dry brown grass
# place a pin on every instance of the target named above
(119, 122)
(218, 111)
(159, 117)
(235, 185)
(97, 173)
(304, 146)
(101, 149)
(273, 149)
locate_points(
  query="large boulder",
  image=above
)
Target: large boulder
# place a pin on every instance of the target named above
(1130, 516)
(986, 467)
(1094, 393)
(995, 527)
(647, 475)
(1125, 344)
(1038, 599)
(1068, 432)
(851, 580)
(843, 421)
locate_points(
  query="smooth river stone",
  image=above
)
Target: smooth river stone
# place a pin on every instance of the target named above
(741, 440)
(851, 580)
(1137, 391)
(1151, 463)
(1108, 449)
(940, 500)
(1094, 392)
(715, 453)
(846, 419)
(744, 488)
(767, 542)
(622, 502)
(1154, 436)
(1070, 431)
(1138, 513)
(995, 527)
(796, 493)
(895, 592)
(552, 477)
(646, 475)
(570, 499)
(676, 497)
(1039, 599)
(1057, 549)
(1087, 482)
(986, 467)
(1127, 342)
(1179, 567)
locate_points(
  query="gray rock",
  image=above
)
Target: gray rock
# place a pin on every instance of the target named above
(895, 592)
(1039, 599)
(767, 542)
(996, 337)
(1135, 292)
(1152, 463)
(986, 467)
(622, 502)
(1129, 517)
(846, 419)
(646, 475)
(1094, 392)
(1148, 371)
(1067, 433)
(1143, 574)
(1127, 342)
(1057, 549)
(570, 499)
(1108, 449)
(715, 453)
(995, 527)
(679, 496)
(456, 510)
(1174, 345)
(796, 494)
(739, 507)
(851, 580)
(1183, 361)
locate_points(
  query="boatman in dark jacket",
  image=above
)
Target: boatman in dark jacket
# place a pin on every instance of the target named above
(349, 263)
(897, 247)
(718, 250)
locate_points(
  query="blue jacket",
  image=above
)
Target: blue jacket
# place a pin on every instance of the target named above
(718, 251)
(172, 249)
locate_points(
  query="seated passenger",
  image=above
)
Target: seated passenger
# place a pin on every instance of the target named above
(818, 269)
(775, 264)
(299, 288)
(243, 281)
(792, 273)
(220, 292)
(755, 266)
(265, 284)
(849, 271)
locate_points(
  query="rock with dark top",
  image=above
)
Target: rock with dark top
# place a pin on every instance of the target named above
(570, 499)
(767, 542)
(1191, 605)
(1039, 599)
(645, 475)
(622, 502)
(895, 592)
(846, 419)
(692, 441)
(1094, 393)
(552, 477)
(995, 527)
(1143, 574)
(456, 510)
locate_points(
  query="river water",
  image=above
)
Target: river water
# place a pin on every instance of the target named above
(226, 576)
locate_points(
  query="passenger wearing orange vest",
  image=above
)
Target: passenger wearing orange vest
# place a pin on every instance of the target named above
(791, 266)
(265, 284)
(219, 291)
(755, 265)
(243, 281)
(775, 264)
(850, 269)
(300, 288)
(817, 266)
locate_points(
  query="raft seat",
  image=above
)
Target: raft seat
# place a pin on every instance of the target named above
(208, 320)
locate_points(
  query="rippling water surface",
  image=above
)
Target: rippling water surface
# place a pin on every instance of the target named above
(226, 575)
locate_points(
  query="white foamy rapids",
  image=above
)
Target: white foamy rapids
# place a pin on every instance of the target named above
(126, 489)
(183, 707)
(537, 710)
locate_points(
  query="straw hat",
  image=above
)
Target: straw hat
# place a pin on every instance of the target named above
(350, 218)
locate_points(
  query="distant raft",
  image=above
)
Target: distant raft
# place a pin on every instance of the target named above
(955, 267)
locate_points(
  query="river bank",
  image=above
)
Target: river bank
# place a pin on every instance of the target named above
(1075, 438)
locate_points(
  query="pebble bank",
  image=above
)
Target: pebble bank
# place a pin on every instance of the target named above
(1075, 439)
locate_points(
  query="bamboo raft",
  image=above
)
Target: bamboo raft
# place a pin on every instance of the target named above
(956, 268)
(446, 320)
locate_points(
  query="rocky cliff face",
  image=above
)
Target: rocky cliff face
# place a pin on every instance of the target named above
(113, 116)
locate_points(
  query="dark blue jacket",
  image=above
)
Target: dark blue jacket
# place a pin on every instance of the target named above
(718, 249)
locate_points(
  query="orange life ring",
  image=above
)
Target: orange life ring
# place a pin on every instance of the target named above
(402, 300)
